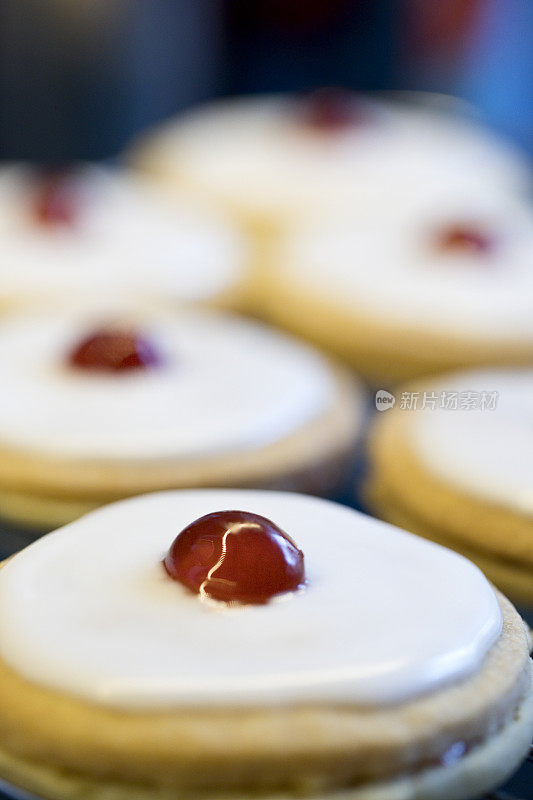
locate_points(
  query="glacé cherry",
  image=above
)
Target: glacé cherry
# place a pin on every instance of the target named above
(114, 351)
(332, 110)
(55, 201)
(235, 556)
(463, 239)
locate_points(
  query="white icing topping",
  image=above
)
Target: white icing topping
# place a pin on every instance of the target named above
(126, 244)
(89, 610)
(253, 152)
(387, 264)
(226, 385)
(485, 452)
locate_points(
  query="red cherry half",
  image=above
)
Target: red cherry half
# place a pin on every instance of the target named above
(56, 201)
(464, 239)
(114, 351)
(332, 110)
(235, 556)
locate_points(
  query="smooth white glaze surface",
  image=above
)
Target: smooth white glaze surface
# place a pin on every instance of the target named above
(388, 266)
(225, 385)
(256, 154)
(386, 616)
(485, 452)
(127, 243)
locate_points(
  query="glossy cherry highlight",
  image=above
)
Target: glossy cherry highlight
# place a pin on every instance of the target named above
(114, 351)
(235, 556)
(332, 110)
(464, 239)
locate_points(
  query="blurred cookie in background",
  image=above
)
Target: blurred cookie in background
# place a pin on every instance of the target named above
(88, 236)
(271, 159)
(95, 409)
(450, 460)
(411, 289)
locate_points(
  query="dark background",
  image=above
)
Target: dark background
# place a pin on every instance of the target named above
(79, 79)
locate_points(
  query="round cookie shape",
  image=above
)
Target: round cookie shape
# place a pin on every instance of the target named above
(381, 290)
(482, 445)
(459, 265)
(265, 159)
(452, 462)
(96, 236)
(221, 385)
(385, 616)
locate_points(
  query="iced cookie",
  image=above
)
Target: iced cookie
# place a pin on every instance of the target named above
(234, 644)
(274, 159)
(96, 409)
(452, 461)
(95, 236)
(412, 290)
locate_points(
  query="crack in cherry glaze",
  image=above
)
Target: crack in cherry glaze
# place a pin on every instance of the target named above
(114, 351)
(332, 110)
(235, 557)
(463, 238)
(56, 201)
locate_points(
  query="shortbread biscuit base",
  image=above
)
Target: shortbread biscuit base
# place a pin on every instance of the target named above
(262, 229)
(484, 768)
(512, 577)
(303, 749)
(41, 491)
(480, 524)
(236, 298)
(382, 350)
(478, 772)
(41, 512)
(261, 224)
